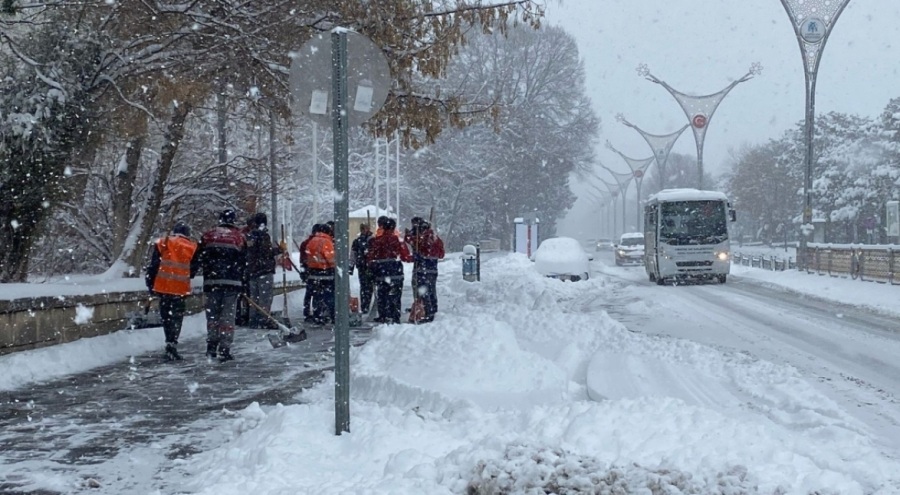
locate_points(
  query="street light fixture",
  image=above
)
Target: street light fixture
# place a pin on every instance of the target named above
(638, 171)
(812, 21)
(660, 144)
(699, 109)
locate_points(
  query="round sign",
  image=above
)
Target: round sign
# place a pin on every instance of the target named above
(638, 174)
(368, 79)
(699, 121)
(813, 29)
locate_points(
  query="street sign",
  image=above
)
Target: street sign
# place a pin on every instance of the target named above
(368, 79)
(699, 121)
(638, 174)
(812, 29)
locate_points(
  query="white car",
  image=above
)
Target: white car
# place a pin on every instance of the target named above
(605, 245)
(563, 258)
(630, 249)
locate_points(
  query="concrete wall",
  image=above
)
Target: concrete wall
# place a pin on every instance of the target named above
(32, 322)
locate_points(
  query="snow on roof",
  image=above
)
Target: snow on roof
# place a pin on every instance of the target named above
(686, 195)
(373, 211)
(629, 235)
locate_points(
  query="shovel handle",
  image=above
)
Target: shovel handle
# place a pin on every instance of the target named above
(259, 308)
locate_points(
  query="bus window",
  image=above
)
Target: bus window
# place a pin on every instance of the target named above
(693, 222)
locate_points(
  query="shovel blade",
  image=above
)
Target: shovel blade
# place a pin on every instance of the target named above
(295, 336)
(283, 338)
(276, 340)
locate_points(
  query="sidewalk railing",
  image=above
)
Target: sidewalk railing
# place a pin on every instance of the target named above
(867, 262)
(772, 262)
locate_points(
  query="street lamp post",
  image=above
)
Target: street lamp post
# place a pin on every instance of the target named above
(598, 200)
(638, 171)
(699, 109)
(812, 21)
(613, 192)
(660, 144)
(623, 180)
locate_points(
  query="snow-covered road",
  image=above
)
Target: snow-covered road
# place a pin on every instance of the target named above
(851, 354)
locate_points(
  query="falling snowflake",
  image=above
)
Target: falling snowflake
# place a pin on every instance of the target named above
(83, 314)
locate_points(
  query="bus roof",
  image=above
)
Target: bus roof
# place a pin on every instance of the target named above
(686, 195)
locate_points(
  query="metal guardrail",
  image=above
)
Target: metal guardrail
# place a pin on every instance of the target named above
(867, 262)
(773, 263)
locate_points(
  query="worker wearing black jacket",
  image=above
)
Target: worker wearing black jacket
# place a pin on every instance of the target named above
(359, 250)
(261, 254)
(222, 256)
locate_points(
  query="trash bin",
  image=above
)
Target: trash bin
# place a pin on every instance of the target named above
(470, 270)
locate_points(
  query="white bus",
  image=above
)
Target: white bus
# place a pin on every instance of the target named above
(686, 235)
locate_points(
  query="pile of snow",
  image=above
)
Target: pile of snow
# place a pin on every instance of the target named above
(501, 394)
(524, 384)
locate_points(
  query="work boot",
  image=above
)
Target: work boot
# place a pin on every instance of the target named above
(225, 354)
(211, 349)
(172, 353)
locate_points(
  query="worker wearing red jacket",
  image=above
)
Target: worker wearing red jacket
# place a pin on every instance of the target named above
(428, 249)
(385, 258)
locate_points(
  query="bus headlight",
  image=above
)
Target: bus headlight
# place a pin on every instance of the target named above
(722, 255)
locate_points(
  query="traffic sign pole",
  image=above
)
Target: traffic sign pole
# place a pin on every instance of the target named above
(355, 73)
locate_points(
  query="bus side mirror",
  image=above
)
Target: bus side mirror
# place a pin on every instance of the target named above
(733, 215)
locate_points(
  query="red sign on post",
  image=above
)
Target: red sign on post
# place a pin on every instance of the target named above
(699, 121)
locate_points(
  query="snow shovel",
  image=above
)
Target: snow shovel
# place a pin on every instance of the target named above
(284, 335)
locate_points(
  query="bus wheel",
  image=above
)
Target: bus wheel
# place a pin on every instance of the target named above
(660, 281)
(723, 278)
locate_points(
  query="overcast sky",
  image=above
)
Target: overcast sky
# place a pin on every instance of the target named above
(700, 46)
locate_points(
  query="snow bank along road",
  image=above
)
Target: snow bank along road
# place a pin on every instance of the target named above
(851, 354)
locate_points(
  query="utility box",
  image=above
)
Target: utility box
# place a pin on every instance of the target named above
(471, 263)
(892, 215)
(819, 230)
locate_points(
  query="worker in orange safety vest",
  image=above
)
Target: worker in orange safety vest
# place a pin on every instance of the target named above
(168, 276)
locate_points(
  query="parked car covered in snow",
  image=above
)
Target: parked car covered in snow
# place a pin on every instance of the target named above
(563, 258)
(630, 249)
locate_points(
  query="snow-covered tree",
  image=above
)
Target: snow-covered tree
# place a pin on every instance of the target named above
(155, 63)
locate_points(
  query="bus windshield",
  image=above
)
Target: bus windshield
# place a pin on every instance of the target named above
(693, 222)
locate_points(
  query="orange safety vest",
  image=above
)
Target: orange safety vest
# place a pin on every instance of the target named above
(174, 275)
(320, 252)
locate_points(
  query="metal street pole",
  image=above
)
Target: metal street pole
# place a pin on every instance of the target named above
(638, 171)
(341, 237)
(812, 21)
(623, 180)
(601, 196)
(613, 192)
(699, 109)
(660, 144)
(357, 80)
